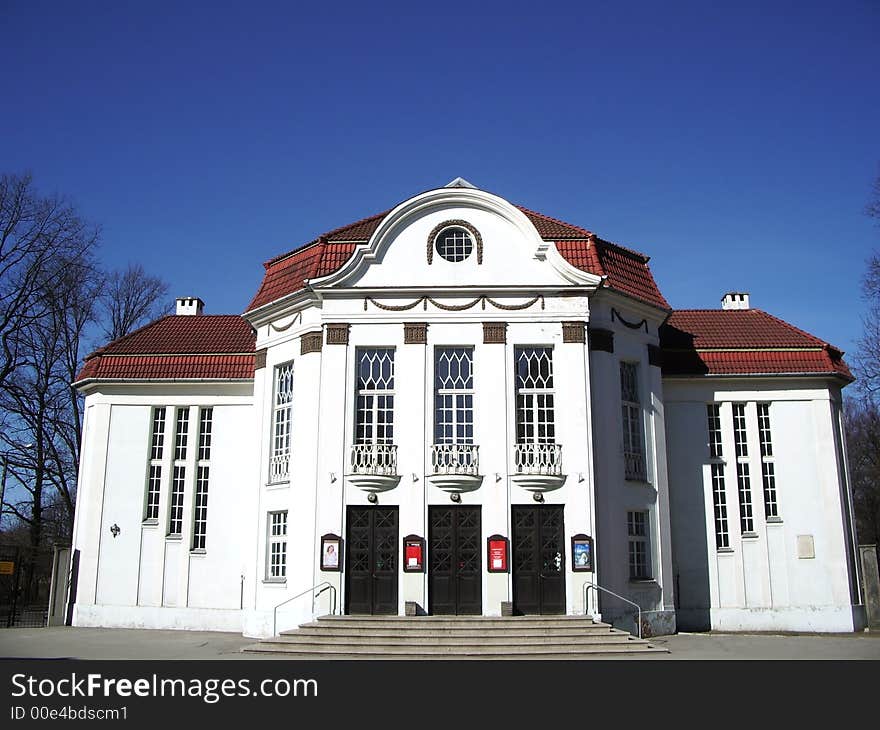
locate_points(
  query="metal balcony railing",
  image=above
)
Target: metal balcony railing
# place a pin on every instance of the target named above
(374, 459)
(279, 467)
(634, 466)
(545, 459)
(455, 459)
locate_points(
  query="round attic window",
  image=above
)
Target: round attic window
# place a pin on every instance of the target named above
(454, 243)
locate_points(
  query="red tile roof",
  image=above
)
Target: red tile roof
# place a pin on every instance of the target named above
(178, 347)
(743, 342)
(626, 270)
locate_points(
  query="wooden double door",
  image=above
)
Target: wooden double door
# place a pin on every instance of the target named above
(371, 563)
(538, 559)
(455, 564)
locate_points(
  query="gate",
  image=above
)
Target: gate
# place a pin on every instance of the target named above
(25, 579)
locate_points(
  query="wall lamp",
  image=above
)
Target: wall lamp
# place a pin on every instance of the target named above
(115, 530)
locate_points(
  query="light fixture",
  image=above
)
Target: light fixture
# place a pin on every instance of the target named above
(580, 476)
(538, 497)
(332, 477)
(415, 477)
(372, 498)
(455, 497)
(497, 477)
(115, 529)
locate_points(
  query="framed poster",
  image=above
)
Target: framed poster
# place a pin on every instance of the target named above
(496, 554)
(581, 553)
(331, 553)
(413, 554)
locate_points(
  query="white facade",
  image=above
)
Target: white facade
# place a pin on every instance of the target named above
(389, 297)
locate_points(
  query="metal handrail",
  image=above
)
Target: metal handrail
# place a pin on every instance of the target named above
(323, 586)
(589, 584)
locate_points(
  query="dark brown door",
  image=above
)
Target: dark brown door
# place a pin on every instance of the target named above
(454, 560)
(538, 559)
(371, 561)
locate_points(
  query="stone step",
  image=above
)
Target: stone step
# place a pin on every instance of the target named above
(433, 623)
(474, 650)
(405, 639)
(454, 632)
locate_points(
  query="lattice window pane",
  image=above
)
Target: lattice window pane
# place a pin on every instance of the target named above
(639, 553)
(768, 475)
(175, 517)
(276, 568)
(716, 450)
(535, 413)
(200, 509)
(746, 518)
(629, 382)
(374, 415)
(157, 443)
(454, 244)
(206, 420)
(453, 395)
(154, 487)
(739, 430)
(181, 434)
(719, 500)
(764, 429)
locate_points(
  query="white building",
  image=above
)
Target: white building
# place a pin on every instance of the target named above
(464, 399)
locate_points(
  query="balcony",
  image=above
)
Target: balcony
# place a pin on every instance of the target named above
(538, 467)
(279, 468)
(634, 467)
(455, 467)
(374, 467)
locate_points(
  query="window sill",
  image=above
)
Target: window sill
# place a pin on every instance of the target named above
(642, 582)
(750, 536)
(774, 520)
(278, 485)
(639, 482)
(275, 581)
(173, 538)
(725, 551)
(150, 523)
(198, 552)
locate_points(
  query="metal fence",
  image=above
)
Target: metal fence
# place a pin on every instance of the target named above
(25, 579)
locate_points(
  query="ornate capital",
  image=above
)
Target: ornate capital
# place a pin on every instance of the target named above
(494, 333)
(310, 342)
(337, 333)
(574, 332)
(415, 333)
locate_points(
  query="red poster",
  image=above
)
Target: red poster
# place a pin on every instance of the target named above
(413, 556)
(498, 555)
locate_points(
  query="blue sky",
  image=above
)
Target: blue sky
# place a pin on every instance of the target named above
(734, 144)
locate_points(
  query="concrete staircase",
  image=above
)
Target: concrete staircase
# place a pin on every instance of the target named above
(454, 637)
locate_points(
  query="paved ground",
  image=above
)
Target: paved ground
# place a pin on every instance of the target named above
(83, 643)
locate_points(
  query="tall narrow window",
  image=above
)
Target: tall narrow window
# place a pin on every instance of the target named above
(719, 494)
(374, 450)
(454, 410)
(768, 469)
(743, 479)
(203, 468)
(633, 441)
(536, 447)
(154, 480)
(282, 414)
(178, 480)
(276, 548)
(639, 546)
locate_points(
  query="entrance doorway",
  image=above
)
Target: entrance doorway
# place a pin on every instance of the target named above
(538, 559)
(454, 561)
(371, 561)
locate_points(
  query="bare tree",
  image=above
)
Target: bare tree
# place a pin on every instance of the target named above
(131, 298)
(863, 441)
(34, 231)
(872, 209)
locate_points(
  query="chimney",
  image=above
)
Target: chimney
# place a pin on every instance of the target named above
(190, 306)
(735, 300)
